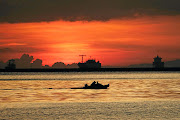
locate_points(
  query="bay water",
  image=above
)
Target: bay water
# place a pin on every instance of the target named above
(130, 96)
(56, 86)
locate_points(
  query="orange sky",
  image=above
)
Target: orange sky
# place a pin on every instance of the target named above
(118, 42)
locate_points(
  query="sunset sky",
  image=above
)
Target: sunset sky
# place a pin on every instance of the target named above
(115, 32)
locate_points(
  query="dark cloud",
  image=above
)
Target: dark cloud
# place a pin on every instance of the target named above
(116, 46)
(62, 65)
(37, 64)
(14, 11)
(24, 61)
(73, 65)
(20, 49)
(4, 37)
(59, 65)
(4, 50)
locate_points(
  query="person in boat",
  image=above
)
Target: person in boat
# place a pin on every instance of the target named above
(86, 85)
(98, 83)
(94, 83)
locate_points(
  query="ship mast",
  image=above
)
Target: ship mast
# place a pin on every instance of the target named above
(82, 57)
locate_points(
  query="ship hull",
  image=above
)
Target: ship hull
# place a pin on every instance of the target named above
(94, 87)
(86, 66)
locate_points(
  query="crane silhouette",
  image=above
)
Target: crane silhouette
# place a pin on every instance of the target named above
(82, 57)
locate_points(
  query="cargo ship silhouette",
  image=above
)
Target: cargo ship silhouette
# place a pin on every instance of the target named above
(89, 64)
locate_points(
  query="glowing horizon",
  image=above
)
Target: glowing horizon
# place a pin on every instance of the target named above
(117, 42)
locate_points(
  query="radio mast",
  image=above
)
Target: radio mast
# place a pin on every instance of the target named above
(82, 57)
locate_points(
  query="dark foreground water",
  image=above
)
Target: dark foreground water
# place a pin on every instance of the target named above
(140, 95)
(92, 111)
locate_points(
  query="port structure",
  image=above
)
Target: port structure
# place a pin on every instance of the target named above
(82, 57)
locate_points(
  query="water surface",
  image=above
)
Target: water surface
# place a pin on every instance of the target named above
(124, 86)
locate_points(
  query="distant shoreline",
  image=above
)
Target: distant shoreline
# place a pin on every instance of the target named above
(91, 70)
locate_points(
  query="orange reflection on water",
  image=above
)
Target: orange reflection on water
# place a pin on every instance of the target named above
(119, 90)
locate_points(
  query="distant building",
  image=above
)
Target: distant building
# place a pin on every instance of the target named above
(158, 63)
(11, 64)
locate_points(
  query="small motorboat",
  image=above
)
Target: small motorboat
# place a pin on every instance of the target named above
(94, 85)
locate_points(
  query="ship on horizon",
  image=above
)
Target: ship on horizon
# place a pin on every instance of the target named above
(89, 64)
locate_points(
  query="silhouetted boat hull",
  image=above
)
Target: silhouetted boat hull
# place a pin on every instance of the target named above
(99, 86)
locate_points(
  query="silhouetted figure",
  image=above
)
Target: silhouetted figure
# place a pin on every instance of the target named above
(157, 62)
(93, 83)
(97, 83)
(11, 64)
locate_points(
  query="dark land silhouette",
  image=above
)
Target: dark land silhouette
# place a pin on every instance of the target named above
(11, 64)
(167, 64)
(26, 64)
